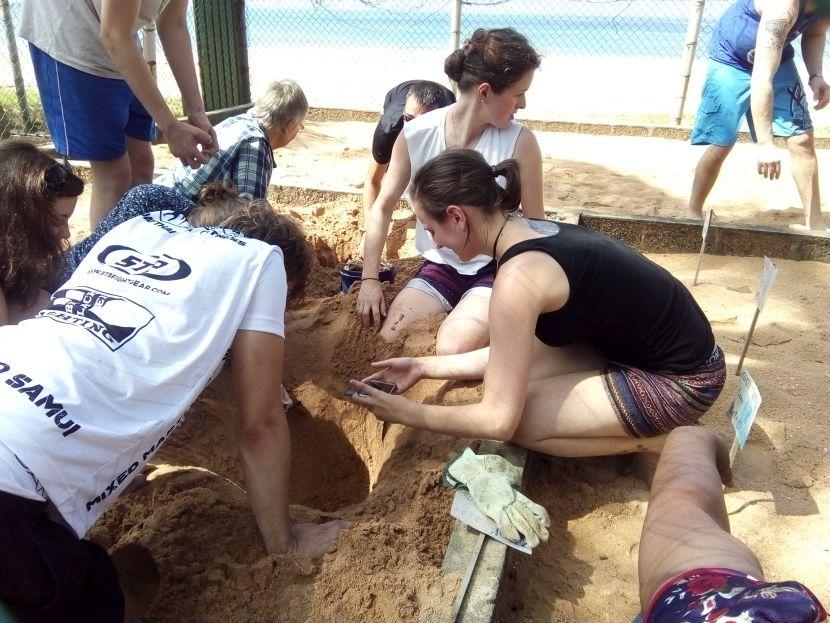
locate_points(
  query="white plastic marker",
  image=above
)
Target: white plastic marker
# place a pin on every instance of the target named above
(706, 221)
(767, 277)
(742, 412)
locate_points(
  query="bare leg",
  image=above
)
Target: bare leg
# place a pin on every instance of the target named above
(110, 180)
(410, 305)
(571, 415)
(466, 327)
(708, 168)
(805, 173)
(687, 526)
(141, 161)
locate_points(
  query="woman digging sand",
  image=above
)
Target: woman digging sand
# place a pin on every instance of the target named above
(594, 349)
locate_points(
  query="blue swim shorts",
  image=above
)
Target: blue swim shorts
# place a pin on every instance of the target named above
(703, 595)
(725, 101)
(89, 117)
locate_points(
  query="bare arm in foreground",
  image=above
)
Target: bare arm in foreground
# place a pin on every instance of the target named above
(687, 526)
(262, 435)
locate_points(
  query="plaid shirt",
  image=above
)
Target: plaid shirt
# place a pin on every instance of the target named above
(245, 158)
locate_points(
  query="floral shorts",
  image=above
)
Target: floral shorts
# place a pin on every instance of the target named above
(726, 596)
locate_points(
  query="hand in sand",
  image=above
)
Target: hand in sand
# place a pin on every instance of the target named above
(314, 539)
(370, 304)
(404, 372)
(386, 407)
(769, 161)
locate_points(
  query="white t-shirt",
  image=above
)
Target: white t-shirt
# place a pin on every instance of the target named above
(92, 386)
(425, 139)
(70, 31)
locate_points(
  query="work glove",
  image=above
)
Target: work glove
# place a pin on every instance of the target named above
(468, 465)
(490, 478)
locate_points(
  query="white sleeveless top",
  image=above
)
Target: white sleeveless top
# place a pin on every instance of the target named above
(425, 139)
(93, 385)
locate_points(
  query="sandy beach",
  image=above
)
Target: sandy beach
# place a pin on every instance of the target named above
(190, 533)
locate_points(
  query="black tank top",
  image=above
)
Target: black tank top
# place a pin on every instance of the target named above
(631, 310)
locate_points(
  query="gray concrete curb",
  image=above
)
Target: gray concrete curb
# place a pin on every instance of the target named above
(649, 234)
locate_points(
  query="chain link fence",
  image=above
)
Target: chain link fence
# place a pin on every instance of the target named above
(611, 61)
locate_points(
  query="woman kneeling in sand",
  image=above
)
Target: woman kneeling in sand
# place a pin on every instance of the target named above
(594, 349)
(493, 70)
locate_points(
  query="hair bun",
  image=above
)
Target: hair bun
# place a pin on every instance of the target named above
(454, 64)
(217, 191)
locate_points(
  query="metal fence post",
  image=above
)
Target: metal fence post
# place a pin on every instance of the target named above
(14, 59)
(222, 46)
(455, 33)
(692, 32)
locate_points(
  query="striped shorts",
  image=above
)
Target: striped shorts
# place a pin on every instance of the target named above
(653, 403)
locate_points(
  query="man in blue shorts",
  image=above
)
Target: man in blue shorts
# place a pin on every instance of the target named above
(99, 99)
(752, 72)
(691, 569)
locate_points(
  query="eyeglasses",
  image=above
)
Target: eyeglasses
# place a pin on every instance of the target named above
(56, 175)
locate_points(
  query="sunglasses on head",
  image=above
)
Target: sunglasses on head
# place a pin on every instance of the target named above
(56, 175)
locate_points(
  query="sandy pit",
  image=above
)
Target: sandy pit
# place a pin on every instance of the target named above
(190, 530)
(192, 516)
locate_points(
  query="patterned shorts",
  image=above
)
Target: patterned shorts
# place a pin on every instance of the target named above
(652, 403)
(448, 285)
(723, 596)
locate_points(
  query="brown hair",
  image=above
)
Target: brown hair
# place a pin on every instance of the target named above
(258, 220)
(30, 250)
(499, 57)
(463, 177)
(216, 202)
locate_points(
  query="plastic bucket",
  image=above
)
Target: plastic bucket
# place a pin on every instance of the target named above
(349, 275)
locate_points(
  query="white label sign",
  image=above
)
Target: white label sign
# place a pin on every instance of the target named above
(767, 277)
(744, 408)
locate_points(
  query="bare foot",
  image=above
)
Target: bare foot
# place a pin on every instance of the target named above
(314, 539)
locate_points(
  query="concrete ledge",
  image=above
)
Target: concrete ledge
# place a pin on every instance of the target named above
(571, 127)
(662, 235)
(482, 595)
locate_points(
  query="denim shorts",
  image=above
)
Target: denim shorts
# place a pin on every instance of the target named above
(725, 102)
(89, 117)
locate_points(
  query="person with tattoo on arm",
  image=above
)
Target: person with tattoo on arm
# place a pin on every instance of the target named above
(752, 72)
